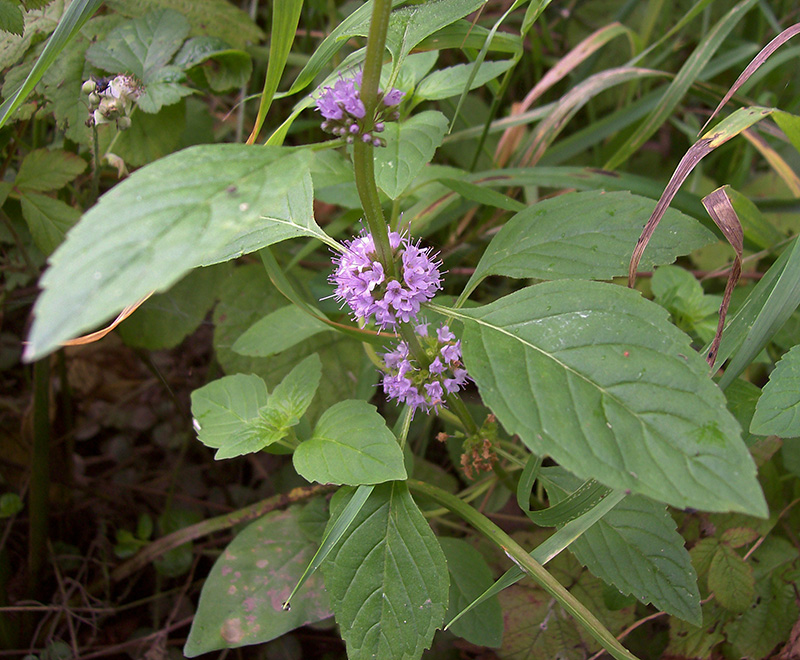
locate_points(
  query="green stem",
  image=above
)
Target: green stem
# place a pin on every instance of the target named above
(457, 405)
(524, 561)
(38, 498)
(363, 159)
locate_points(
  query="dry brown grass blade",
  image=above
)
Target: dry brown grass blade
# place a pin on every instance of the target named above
(98, 335)
(727, 129)
(720, 208)
(511, 136)
(751, 68)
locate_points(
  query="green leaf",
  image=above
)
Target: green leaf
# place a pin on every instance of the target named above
(69, 24)
(585, 235)
(241, 600)
(166, 319)
(10, 505)
(596, 377)
(151, 136)
(636, 547)
(731, 580)
(143, 47)
(469, 578)
(778, 408)
(483, 195)
(43, 170)
(224, 409)
(450, 81)
(789, 124)
(409, 147)
(408, 26)
(197, 207)
(282, 329)
(48, 219)
(692, 310)
(213, 63)
(11, 18)
(177, 561)
(236, 416)
(217, 18)
(351, 445)
(387, 579)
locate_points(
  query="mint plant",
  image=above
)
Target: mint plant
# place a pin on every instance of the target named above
(432, 315)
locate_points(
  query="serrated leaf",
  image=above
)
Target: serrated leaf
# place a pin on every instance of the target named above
(450, 81)
(595, 376)
(409, 147)
(292, 397)
(351, 445)
(387, 579)
(143, 47)
(241, 600)
(214, 63)
(11, 18)
(151, 136)
(470, 576)
(585, 235)
(200, 206)
(217, 18)
(48, 219)
(636, 547)
(778, 408)
(731, 580)
(43, 170)
(282, 329)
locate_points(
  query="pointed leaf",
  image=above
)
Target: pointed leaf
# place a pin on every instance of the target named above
(778, 408)
(595, 376)
(444, 83)
(241, 600)
(409, 147)
(48, 218)
(731, 580)
(43, 170)
(199, 206)
(282, 329)
(11, 19)
(636, 547)
(351, 445)
(585, 235)
(387, 579)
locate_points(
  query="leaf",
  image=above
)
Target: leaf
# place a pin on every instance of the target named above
(351, 445)
(143, 47)
(241, 599)
(482, 195)
(636, 547)
(277, 331)
(235, 415)
(44, 170)
(584, 235)
(213, 63)
(217, 18)
(596, 377)
(778, 408)
(11, 18)
(48, 219)
(408, 26)
(447, 82)
(469, 578)
(224, 409)
(731, 580)
(409, 147)
(200, 206)
(166, 319)
(78, 12)
(387, 579)
(176, 561)
(151, 136)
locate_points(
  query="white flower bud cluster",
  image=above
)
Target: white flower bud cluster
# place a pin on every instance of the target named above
(111, 100)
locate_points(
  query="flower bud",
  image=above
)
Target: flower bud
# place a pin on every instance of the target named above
(89, 87)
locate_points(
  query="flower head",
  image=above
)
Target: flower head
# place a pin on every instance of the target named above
(361, 283)
(406, 381)
(341, 106)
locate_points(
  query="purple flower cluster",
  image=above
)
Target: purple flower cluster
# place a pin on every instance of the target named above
(419, 388)
(362, 284)
(343, 110)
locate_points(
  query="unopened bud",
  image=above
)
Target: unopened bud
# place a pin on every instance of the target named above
(89, 87)
(124, 123)
(94, 99)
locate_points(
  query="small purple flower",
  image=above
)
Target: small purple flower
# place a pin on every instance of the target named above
(393, 97)
(405, 381)
(361, 283)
